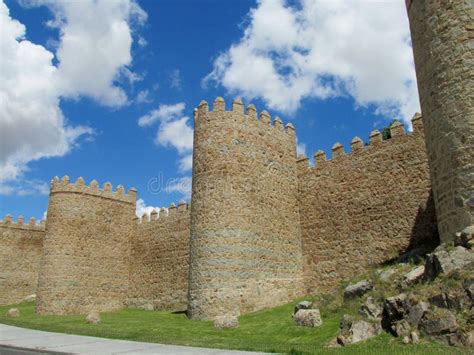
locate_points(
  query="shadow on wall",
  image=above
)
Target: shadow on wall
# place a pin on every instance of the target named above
(424, 236)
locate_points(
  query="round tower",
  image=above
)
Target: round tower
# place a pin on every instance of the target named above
(442, 34)
(86, 251)
(245, 236)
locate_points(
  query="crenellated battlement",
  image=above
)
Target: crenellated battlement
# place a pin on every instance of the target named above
(263, 119)
(79, 186)
(358, 147)
(8, 222)
(164, 214)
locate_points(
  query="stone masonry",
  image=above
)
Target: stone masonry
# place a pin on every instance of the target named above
(442, 34)
(86, 259)
(264, 227)
(365, 207)
(245, 233)
(21, 248)
(159, 260)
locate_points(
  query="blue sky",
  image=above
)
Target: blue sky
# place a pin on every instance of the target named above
(106, 89)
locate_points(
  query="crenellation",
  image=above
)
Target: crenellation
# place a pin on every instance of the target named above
(397, 129)
(265, 118)
(337, 151)
(278, 124)
(357, 144)
(319, 158)
(238, 105)
(218, 105)
(375, 138)
(163, 213)
(93, 189)
(417, 123)
(252, 112)
(9, 222)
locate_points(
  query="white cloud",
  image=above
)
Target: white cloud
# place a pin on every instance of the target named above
(143, 97)
(175, 79)
(142, 208)
(32, 125)
(164, 113)
(93, 51)
(300, 148)
(173, 131)
(321, 49)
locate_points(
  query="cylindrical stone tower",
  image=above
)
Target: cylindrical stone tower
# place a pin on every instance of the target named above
(86, 251)
(245, 235)
(442, 34)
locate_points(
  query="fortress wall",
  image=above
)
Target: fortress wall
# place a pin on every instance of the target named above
(245, 235)
(21, 248)
(366, 207)
(159, 260)
(86, 248)
(442, 34)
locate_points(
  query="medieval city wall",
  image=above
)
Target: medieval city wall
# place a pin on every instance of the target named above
(159, 260)
(86, 258)
(365, 207)
(21, 248)
(245, 233)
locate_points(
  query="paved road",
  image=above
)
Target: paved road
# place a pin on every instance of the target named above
(14, 340)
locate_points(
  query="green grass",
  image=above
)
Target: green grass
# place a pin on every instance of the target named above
(270, 331)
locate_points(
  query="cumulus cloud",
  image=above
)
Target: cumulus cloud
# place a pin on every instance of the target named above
(300, 148)
(92, 53)
(142, 208)
(143, 97)
(182, 185)
(321, 49)
(175, 79)
(174, 131)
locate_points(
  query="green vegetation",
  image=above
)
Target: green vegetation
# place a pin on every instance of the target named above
(271, 330)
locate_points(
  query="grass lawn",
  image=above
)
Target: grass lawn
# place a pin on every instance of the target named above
(270, 331)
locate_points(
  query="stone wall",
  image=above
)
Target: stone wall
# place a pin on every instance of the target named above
(245, 235)
(21, 248)
(443, 45)
(86, 248)
(159, 260)
(364, 208)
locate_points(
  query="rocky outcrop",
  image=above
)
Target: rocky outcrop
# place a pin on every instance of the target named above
(308, 318)
(412, 277)
(371, 309)
(352, 331)
(445, 262)
(358, 289)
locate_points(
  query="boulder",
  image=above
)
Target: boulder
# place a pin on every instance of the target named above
(226, 322)
(468, 338)
(438, 300)
(355, 331)
(386, 275)
(455, 299)
(371, 309)
(13, 312)
(308, 318)
(395, 308)
(465, 237)
(30, 298)
(445, 262)
(469, 288)
(93, 318)
(148, 307)
(302, 305)
(416, 312)
(401, 328)
(414, 337)
(438, 323)
(358, 289)
(413, 276)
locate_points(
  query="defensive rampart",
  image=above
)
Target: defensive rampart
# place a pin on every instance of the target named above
(364, 208)
(245, 235)
(86, 249)
(159, 260)
(21, 248)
